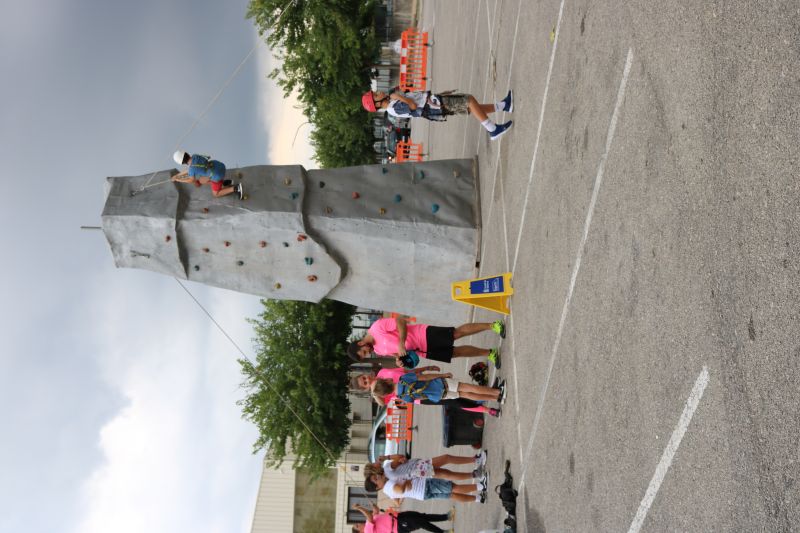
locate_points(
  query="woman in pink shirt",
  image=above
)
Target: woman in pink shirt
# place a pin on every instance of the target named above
(392, 337)
(403, 522)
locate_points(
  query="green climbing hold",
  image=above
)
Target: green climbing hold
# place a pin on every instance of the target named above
(434, 208)
(295, 195)
(309, 260)
(397, 198)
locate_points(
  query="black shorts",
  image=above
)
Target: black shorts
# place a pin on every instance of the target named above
(440, 343)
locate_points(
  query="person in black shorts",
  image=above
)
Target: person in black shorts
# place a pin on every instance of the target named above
(394, 337)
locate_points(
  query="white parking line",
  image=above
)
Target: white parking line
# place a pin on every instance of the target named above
(669, 452)
(500, 141)
(597, 182)
(538, 133)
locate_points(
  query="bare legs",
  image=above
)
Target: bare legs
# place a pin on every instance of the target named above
(465, 330)
(462, 493)
(444, 473)
(478, 393)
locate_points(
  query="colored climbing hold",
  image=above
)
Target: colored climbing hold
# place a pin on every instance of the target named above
(456, 173)
(227, 243)
(384, 170)
(197, 267)
(206, 250)
(309, 260)
(294, 195)
(328, 210)
(382, 211)
(205, 210)
(285, 244)
(240, 263)
(421, 175)
(321, 184)
(168, 238)
(287, 181)
(434, 208)
(277, 285)
(301, 237)
(553, 34)
(356, 196)
(397, 198)
(263, 244)
(312, 278)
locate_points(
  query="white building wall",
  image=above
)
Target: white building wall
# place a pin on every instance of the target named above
(274, 511)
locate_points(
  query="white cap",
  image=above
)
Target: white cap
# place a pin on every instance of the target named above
(179, 156)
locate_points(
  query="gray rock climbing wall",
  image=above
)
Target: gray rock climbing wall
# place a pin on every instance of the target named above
(390, 238)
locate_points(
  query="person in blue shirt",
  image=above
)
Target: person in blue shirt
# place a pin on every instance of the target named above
(201, 170)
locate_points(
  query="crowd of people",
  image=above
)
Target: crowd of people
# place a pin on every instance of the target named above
(398, 477)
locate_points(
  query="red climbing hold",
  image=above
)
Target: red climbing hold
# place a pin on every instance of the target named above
(356, 196)
(263, 244)
(301, 238)
(205, 210)
(312, 278)
(227, 243)
(168, 238)
(206, 250)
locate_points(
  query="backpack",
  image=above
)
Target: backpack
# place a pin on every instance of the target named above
(508, 496)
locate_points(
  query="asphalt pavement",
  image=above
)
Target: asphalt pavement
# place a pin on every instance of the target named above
(647, 202)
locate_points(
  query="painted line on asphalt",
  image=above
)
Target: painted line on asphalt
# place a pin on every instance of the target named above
(669, 452)
(500, 141)
(538, 133)
(587, 223)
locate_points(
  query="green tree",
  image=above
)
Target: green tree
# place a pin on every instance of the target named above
(326, 47)
(296, 389)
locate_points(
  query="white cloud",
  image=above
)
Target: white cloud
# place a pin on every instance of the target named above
(282, 119)
(178, 456)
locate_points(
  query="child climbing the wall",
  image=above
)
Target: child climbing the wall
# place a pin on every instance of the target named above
(202, 169)
(363, 382)
(415, 481)
(438, 107)
(434, 388)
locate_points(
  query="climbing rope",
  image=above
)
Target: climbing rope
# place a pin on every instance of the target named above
(265, 381)
(199, 118)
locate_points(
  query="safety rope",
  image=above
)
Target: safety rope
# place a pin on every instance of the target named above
(266, 382)
(203, 114)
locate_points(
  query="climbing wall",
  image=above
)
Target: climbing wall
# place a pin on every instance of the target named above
(386, 237)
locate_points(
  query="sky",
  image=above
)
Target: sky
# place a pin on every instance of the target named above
(117, 394)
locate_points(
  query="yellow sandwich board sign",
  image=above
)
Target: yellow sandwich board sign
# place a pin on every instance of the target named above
(491, 293)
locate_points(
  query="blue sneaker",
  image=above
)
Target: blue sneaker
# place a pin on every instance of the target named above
(500, 130)
(508, 102)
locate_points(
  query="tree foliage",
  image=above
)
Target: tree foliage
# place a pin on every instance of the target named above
(326, 47)
(296, 389)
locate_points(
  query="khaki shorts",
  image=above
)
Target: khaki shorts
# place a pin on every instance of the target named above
(452, 389)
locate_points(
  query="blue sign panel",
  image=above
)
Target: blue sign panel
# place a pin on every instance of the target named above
(486, 286)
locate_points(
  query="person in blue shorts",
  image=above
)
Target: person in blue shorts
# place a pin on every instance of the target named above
(201, 170)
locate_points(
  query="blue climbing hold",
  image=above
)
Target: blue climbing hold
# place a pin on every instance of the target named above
(295, 195)
(397, 198)
(434, 208)
(384, 170)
